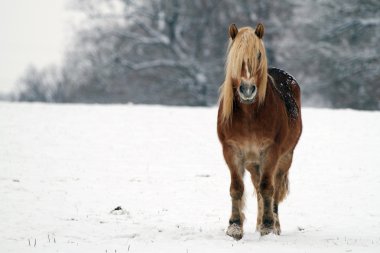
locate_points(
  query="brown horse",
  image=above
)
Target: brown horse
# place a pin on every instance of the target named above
(259, 124)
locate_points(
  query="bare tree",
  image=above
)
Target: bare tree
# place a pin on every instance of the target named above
(39, 85)
(333, 47)
(158, 51)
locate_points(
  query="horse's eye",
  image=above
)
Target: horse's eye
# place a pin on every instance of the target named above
(259, 56)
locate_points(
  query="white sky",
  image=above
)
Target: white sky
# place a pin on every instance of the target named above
(31, 32)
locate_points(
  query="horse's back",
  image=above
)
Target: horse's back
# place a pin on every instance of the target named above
(281, 76)
(288, 90)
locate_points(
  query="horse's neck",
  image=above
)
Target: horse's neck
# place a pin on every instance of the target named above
(246, 111)
(254, 110)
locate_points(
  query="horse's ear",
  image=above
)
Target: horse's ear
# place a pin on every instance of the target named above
(259, 30)
(233, 31)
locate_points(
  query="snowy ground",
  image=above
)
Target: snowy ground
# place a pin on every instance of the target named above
(64, 168)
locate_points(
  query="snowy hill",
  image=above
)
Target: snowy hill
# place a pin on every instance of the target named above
(64, 168)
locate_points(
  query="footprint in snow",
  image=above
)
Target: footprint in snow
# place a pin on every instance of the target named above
(119, 211)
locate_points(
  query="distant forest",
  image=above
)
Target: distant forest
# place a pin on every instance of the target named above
(172, 51)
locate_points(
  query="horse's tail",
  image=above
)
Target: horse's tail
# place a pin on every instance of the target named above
(282, 181)
(283, 187)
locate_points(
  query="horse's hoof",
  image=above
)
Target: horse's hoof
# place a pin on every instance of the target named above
(266, 230)
(277, 230)
(277, 226)
(235, 231)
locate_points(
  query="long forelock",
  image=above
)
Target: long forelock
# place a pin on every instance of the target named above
(243, 49)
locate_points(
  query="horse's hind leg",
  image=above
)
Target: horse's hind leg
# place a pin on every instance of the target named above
(281, 187)
(236, 221)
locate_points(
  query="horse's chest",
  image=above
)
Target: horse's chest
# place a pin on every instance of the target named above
(249, 149)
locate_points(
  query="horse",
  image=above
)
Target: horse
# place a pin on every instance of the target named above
(258, 125)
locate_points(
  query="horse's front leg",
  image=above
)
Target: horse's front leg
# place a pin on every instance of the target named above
(236, 221)
(267, 190)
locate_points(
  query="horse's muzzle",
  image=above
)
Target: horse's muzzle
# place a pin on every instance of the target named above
(247, 93)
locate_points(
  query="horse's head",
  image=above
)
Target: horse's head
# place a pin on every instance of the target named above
(247, 62)
(246, 68)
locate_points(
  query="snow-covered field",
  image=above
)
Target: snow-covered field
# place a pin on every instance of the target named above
(64, 168)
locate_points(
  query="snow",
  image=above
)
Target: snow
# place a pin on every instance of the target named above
(65, 168)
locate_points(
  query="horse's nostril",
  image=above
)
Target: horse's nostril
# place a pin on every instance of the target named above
(242, 88)
(253, 88)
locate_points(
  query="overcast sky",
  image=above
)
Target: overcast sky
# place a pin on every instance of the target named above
(31, 32)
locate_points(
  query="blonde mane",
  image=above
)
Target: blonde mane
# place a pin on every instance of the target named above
(243, 48)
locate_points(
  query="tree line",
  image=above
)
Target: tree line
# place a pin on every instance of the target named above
(172, 51)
